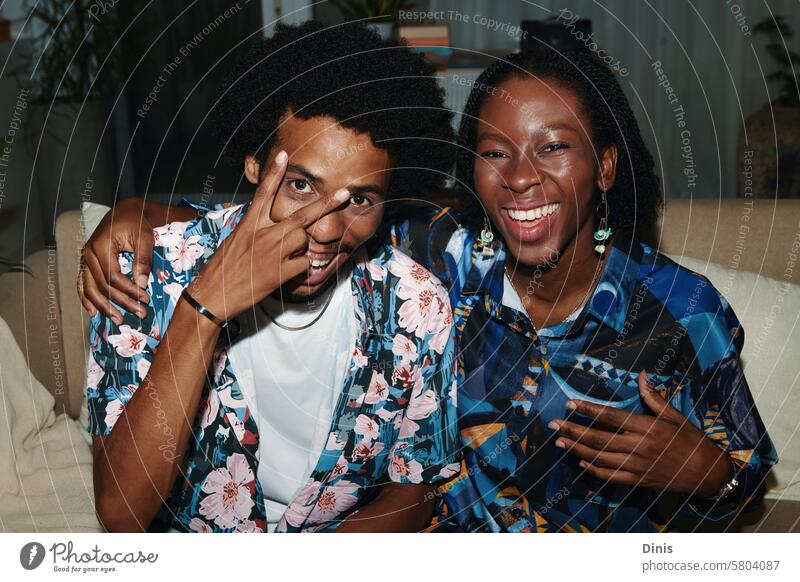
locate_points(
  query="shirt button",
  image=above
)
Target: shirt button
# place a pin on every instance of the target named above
(543, 349)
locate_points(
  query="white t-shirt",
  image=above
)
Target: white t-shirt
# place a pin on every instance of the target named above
(291, 380)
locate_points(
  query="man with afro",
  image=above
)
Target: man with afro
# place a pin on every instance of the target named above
(282, 370)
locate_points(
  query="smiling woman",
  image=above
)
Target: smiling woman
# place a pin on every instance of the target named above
(556, 328)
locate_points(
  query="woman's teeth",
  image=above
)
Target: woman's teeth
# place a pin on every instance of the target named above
(533, 213)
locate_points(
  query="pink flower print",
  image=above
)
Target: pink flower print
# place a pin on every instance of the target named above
(174, 290)
(184, 255)
(366, 450)
(248, 526)
(340, 468)
(386, 416)
(223, 212)
(199, 526)
(408, 429)
(406, 377)
(236, 424)
(412, 275)
(113, 411)
(450, 470)
(402, 470)
(405, 348)
(414, 313)
(453, 393)
(422, 405)
(94, 372)
(376, 271)
(334, 444)
(228, 499)
(209, 409)
(366, 427)
(169, 235)
(359, 358)
(155, 332)
(299, 508)
(142, 368)
(333, 501)
(128, 342)
(440, 323)
(377, 391)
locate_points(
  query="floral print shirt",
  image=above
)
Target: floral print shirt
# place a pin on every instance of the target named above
(395, 420)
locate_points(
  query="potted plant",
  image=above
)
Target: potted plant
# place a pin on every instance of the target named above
(76, 72)
(382, 14)
(775, 172)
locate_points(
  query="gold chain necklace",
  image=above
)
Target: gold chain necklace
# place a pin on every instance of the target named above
(304, 326)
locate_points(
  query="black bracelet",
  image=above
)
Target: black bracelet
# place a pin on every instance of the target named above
(202, 310)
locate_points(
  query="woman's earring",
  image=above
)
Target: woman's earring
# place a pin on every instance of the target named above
(603, 233)
(487, 236)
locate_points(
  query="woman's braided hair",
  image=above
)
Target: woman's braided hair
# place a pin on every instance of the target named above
(635, 199)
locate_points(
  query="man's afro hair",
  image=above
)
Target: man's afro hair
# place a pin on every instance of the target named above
(374, 86)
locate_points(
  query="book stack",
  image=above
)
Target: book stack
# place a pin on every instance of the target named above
(432, 40)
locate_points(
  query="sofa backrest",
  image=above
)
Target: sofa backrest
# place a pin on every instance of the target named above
(757, 235)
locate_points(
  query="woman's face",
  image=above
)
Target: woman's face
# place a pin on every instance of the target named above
(325, 157)
(536, 170)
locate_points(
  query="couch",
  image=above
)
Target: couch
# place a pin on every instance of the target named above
(748, 248)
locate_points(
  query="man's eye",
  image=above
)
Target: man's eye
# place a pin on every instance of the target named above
(358, 200)
(302, 186)
(554, 147)
(493, 154)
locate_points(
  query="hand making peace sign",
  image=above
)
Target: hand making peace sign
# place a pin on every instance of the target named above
(260, 255)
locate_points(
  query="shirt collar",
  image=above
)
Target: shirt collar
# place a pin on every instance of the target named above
(608, 304)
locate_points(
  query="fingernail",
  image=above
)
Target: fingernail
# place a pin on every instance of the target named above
(342, 195)
(571, 405)
(141, 280)
(553, 425)
(583, 464)
(561, 444)
(281, 157)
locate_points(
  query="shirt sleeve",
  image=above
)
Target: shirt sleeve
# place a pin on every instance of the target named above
(427, 450)
(120, 355)
(426, 238)
(719, 401)
(119, 359)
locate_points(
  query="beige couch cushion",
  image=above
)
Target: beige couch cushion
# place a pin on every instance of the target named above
(29, 304)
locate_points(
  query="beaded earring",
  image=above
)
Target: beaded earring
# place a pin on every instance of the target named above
(486, 238)
(603, 233)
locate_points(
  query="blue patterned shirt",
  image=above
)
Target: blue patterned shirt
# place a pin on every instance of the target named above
(646, 313)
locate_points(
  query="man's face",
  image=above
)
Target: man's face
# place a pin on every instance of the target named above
(325, 157)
